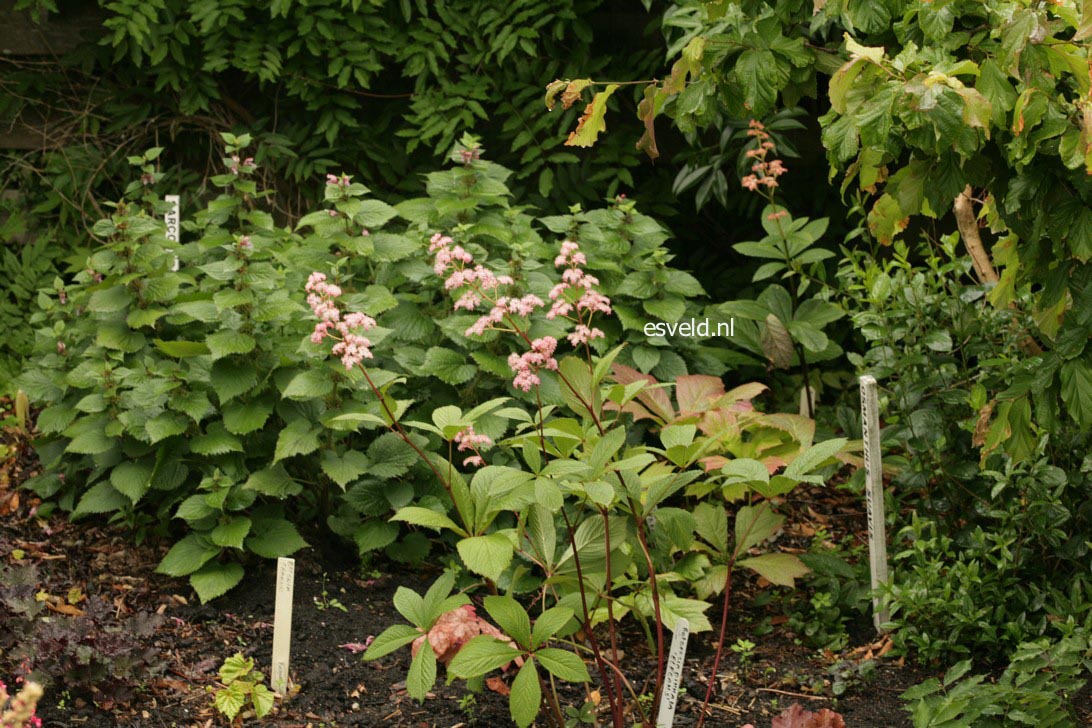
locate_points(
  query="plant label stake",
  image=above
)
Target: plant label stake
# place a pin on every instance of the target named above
(877, 533)
(673, 674)
(282, 624)
(807, 401)
(173, 220)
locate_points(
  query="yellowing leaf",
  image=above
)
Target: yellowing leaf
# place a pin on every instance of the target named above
(1085, 28)
(591, 123)
(856, 50)
(977, 109)
(552, 91)
(646, 112)
(573, 90)
(777, 568)
(776, 343)
(886, 220)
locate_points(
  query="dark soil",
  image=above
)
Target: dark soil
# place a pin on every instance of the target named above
(336, 688)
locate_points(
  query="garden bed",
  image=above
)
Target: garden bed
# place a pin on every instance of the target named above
(337, 687)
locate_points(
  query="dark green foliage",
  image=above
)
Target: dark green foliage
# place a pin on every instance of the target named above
(1000, 550)
(195, 396)
(926, 99)
(1036, 689)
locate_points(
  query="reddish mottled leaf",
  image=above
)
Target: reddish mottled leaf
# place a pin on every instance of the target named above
(657, 401)
(498, 685)
(454, 629)
(796, 717)
(696, 393)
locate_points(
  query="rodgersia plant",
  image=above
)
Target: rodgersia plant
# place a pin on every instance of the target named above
(785, 323)
(200, 397)
(584, 522)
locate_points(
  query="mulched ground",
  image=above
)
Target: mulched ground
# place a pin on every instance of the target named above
(336, 688)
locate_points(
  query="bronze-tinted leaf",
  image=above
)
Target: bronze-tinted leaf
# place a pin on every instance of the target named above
(776, 343)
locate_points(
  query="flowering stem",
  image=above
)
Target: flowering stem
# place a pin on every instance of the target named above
(724, 618)
(609, 586)
(642, 539)
(615, 704)
(397, 427)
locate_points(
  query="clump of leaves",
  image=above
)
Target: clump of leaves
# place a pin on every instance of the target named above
(1035, 689)
(98, 653)
(243, 685)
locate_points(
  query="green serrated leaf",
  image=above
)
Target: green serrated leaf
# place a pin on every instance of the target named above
(298, 438)
(187, 556)
(272, 538)
(215, 579)
(525, 700)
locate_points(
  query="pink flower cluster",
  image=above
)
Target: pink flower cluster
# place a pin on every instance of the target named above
(351, 346)
(574, 298)
(19, 711)
(576, 291)
(470, 155)
(527, 365)
(342, 181)
(247, 165)
(467, 439)
(766, 171)
(480, 284)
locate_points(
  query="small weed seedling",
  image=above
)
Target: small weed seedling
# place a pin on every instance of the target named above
(242, 684)
(326, 601)
(745, 649)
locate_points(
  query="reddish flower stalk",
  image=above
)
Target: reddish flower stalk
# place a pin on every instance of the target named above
(765, 171)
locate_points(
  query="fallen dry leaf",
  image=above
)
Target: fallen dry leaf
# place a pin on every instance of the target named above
(498, 685)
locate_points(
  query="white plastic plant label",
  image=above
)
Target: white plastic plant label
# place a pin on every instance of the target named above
(282, 624)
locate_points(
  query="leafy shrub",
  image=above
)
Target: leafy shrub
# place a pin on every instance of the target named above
(1000, 548)
(985, 593)
(1035, 689)
(194, 395)
(97, 653)
(939, 347)
(630, 550)
(131, 357)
